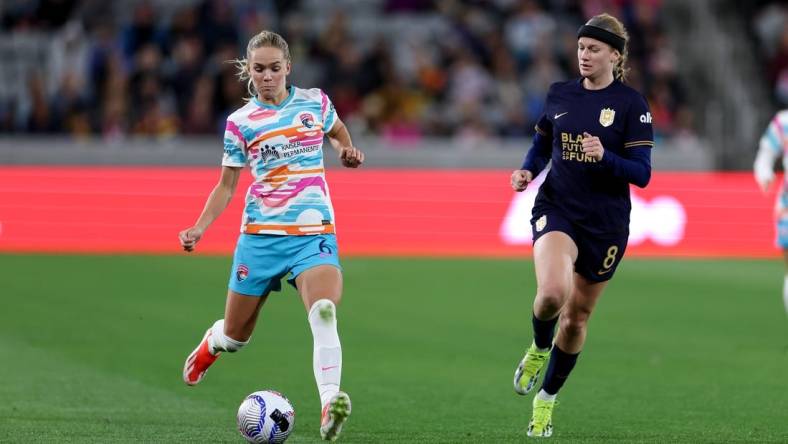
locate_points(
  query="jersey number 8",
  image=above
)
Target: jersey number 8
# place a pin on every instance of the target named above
(610, 259)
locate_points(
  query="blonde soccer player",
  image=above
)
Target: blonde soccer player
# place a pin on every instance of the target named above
(596, 132)
(288, 219)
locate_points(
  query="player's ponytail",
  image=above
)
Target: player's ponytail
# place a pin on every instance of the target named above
(263, 39)
(614, 26)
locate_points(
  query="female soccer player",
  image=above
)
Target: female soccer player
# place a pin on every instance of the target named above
(773, 146)
(288, 220)
(597, 132)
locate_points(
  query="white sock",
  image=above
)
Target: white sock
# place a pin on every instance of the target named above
(544, 396)
(219, 342)
(327, 356)
(785, 293)
(542, 350)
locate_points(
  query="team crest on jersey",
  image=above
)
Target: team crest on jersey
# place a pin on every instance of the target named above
(307, 120)
(241, 272)
(606, 116)
(541, 223)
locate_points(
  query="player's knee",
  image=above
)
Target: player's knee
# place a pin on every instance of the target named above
(323, 309)
(574, 323)
(224, 342)
(552, 296)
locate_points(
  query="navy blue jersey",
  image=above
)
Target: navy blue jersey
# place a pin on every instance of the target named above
(594, 195)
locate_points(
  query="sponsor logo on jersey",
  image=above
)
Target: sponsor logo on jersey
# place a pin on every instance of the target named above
(558, 115)
(268, 152)
(645, 118)
(572, 148)
(241, 273)
(606, 116)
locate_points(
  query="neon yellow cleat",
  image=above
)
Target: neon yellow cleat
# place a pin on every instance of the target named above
(528, 371)
(541, 425)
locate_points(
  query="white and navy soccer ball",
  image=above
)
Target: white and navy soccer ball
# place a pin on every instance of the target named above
(266, 417)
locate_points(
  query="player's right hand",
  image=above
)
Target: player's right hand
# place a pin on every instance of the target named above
(189, 238)
(521, 179)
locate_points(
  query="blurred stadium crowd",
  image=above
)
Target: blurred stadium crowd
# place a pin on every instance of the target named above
(400, 69)
(770, 26)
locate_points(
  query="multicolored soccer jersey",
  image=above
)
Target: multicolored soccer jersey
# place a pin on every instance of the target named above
(774, 145)
(593, 195)
(283, 146)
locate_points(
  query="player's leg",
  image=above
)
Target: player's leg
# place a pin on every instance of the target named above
(321, 289)
(554, 257)
(597, 261)
(225, 335)
(572, 330)
(785, 280)
(240, 318)
(318, 277)
(256, 270)
(568, 343)
(782, 239)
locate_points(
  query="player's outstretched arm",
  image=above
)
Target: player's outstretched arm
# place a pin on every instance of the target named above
(339, 137)
(217, 201)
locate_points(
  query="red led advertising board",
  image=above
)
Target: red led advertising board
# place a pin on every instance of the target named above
(378, 212)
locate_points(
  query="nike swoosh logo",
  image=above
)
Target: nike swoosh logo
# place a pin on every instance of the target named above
(328, 368)
(601, 272)
(559, 115)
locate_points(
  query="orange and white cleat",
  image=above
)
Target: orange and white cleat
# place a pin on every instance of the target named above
(335, 412)
(198, 362)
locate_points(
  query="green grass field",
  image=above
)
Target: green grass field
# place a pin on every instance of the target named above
(678, 351)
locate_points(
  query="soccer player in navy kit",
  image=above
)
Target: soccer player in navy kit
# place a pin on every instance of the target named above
(597, 133)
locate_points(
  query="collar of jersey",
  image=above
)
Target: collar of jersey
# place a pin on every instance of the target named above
(579, 84)
(291, 92)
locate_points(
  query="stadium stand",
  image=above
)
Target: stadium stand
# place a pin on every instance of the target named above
(462, 75)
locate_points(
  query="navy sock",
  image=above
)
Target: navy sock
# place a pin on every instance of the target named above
(561, 364)
(543, 331)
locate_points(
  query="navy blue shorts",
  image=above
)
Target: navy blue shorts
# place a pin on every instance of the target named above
(597, 255)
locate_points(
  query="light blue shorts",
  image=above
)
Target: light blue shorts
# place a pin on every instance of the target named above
(782, 232)
(262, 260)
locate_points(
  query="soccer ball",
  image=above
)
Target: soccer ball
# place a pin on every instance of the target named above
(266, 417)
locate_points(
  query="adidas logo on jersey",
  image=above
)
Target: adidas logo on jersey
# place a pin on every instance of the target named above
(645, 118)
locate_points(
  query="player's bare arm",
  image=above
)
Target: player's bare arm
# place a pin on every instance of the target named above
(339, 137)
(218, 200)
(764, 165)
(520, 179)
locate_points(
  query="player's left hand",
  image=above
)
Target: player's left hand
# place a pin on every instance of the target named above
(592, 147)
(351, 157)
